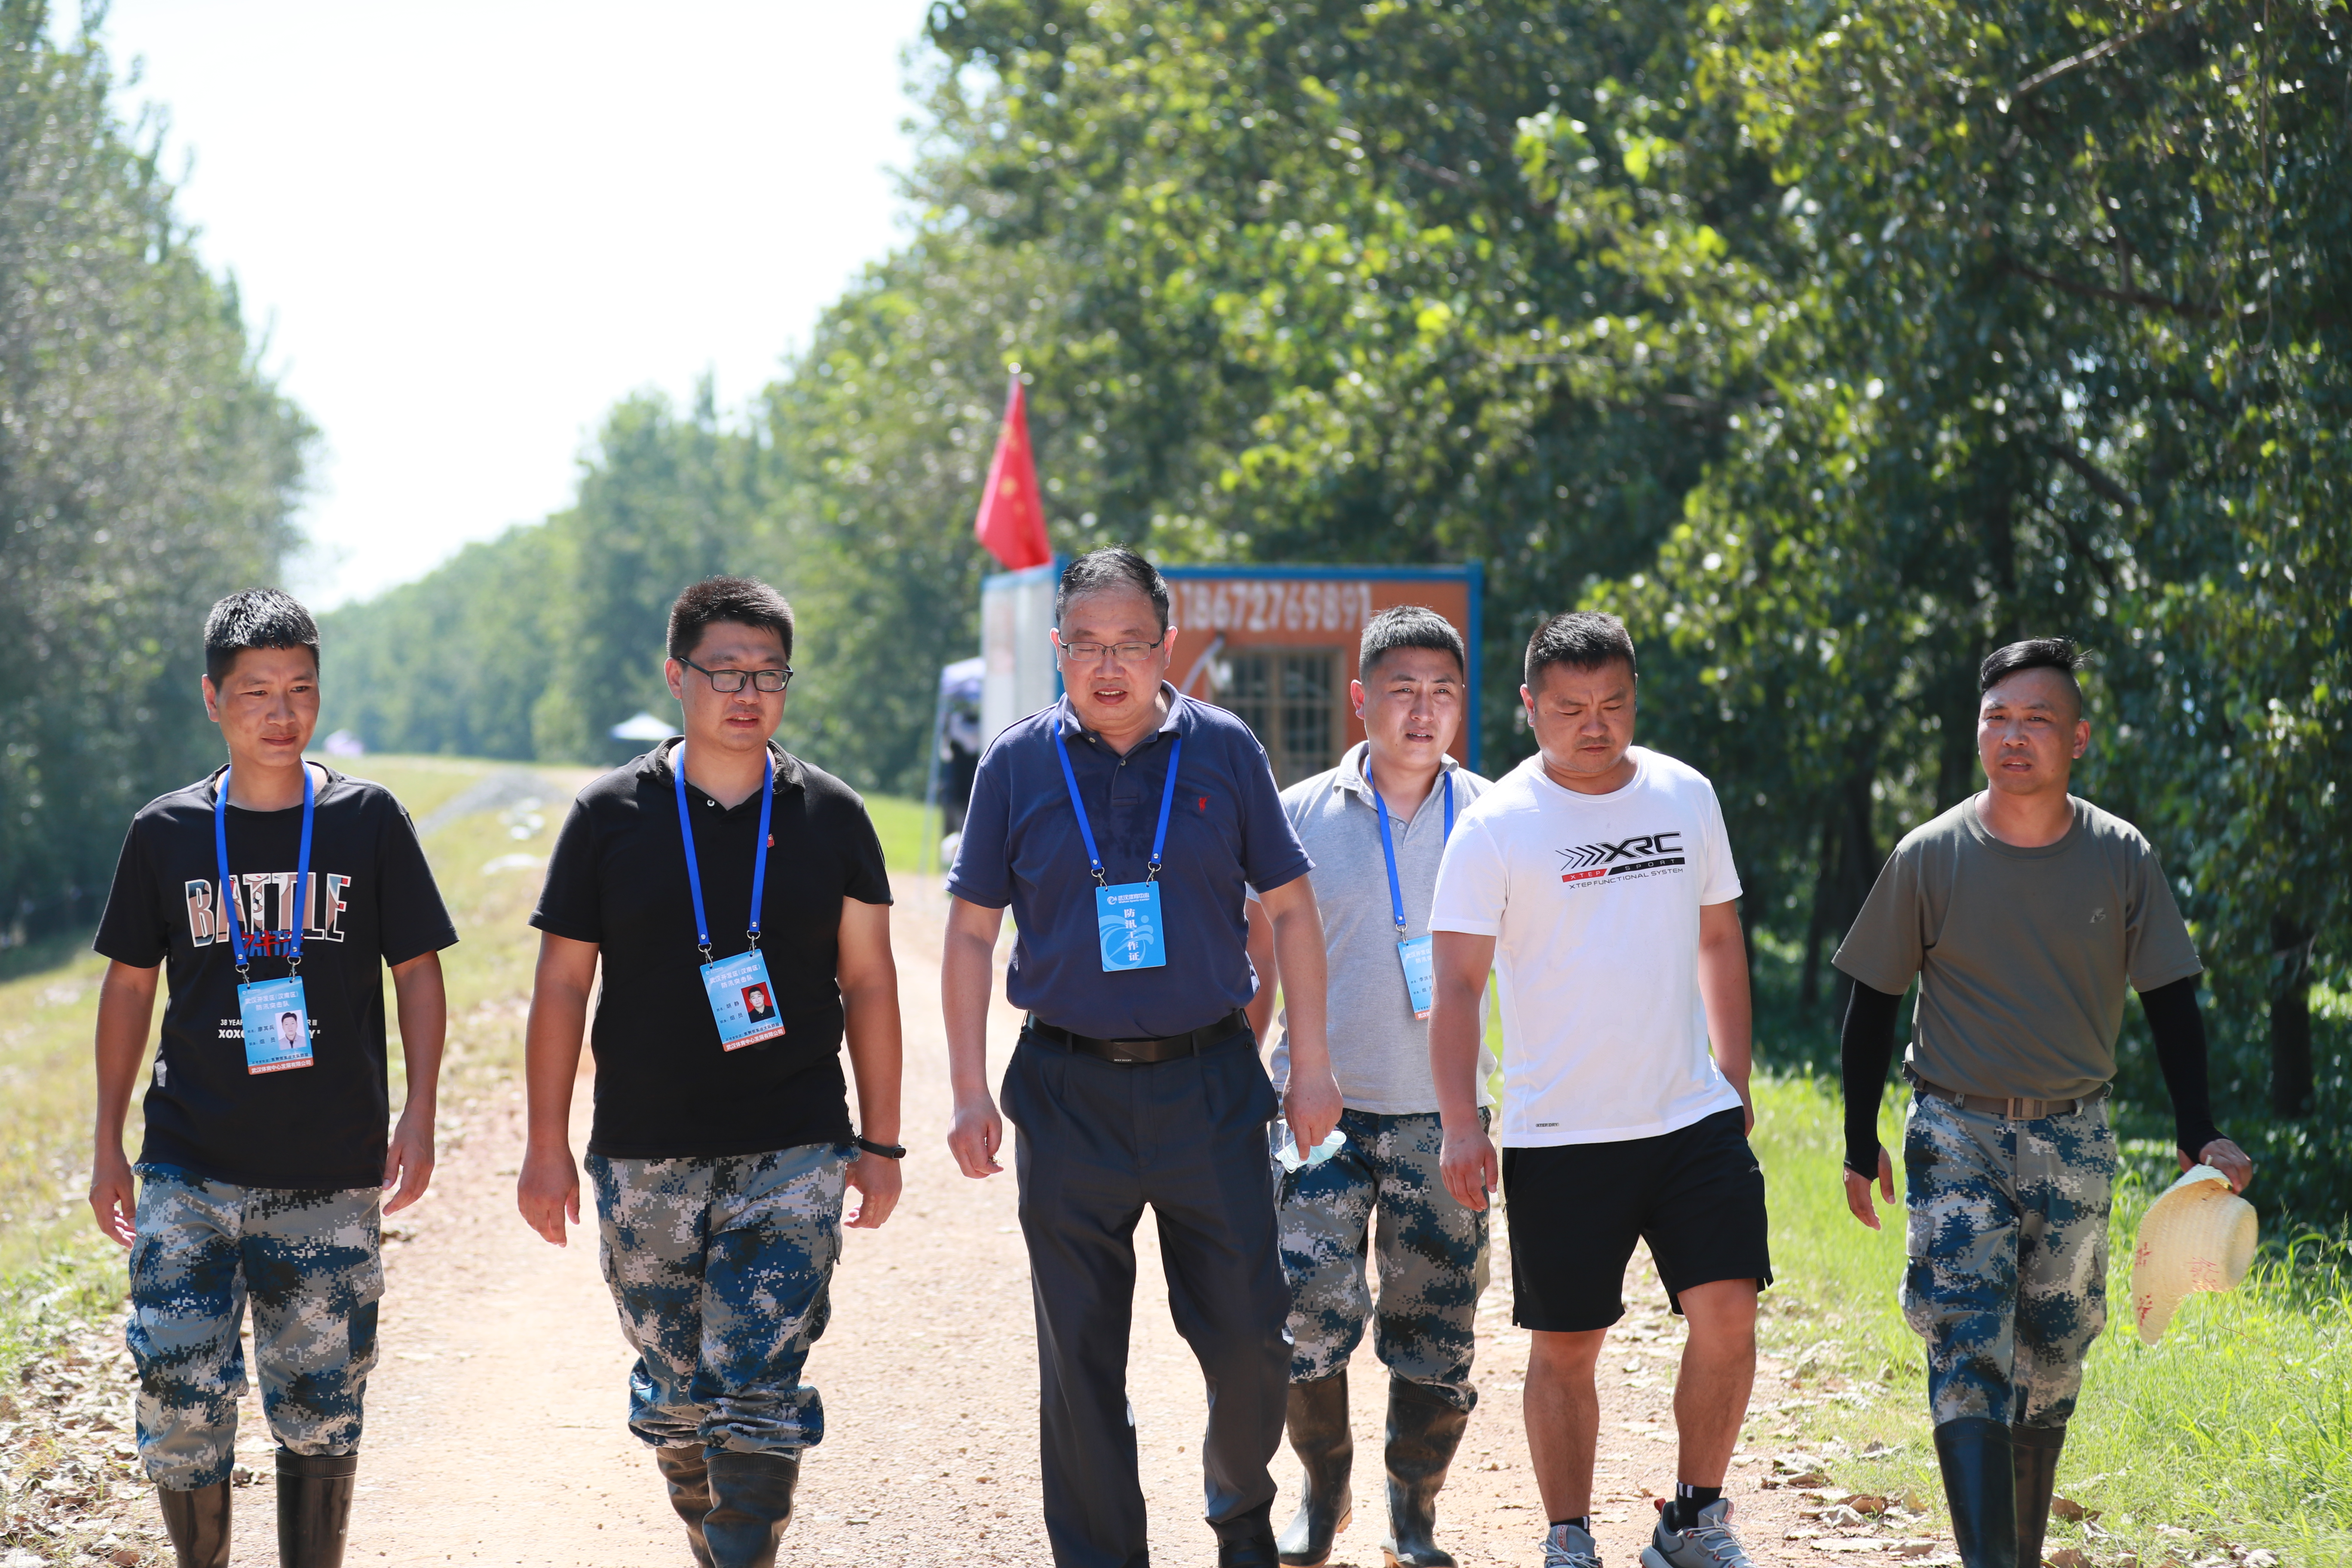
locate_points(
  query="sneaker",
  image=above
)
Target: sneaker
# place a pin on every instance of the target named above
(1708, 1543)
(1565, 1546)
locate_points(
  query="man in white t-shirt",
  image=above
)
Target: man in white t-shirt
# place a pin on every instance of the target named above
(1597, 879)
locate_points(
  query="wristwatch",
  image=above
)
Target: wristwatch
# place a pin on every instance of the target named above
(887, 1150)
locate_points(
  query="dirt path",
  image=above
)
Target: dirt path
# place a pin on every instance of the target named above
(495, 1421)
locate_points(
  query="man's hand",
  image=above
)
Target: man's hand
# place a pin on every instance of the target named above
(2225, 1157)
(1467, 1163)
(975, 1133)
(113, 1197)
(1310, 1104)
(1857, 1190)
(408, 1159)
(877, 1179)
(548, 1190)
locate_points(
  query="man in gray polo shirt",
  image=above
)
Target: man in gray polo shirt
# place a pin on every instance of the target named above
(1380, 1190)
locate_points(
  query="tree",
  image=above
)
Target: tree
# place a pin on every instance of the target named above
(147, 467)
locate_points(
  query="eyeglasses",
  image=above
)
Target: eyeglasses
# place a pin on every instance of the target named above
(1122, 652)
(731, 681)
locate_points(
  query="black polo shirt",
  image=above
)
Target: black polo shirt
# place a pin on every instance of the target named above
(1021, 847)
(665, 1088)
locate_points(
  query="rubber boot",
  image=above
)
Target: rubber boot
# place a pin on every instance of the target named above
(314, 1508)
(1982, 1488)
(1318, 1420)
(687, 1472)
(1424, 1432)
(2033, 1452)
(750, 1504)
(198, 1522)
(1247, 1541)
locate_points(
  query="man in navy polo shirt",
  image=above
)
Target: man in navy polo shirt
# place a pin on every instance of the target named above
(1122, 826)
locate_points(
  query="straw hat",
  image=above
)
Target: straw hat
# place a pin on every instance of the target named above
(2200, 1235)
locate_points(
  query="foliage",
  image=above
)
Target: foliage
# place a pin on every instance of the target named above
(146, 468)
(1832, 348)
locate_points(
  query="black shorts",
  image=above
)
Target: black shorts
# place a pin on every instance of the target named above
(1696, 1195)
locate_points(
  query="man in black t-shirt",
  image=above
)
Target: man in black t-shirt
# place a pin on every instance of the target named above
(735, 961)
(273, 891)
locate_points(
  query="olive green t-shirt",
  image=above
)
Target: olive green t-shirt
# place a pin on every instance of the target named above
(2022, 954)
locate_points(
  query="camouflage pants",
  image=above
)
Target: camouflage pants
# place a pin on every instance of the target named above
(2007, 1273)
(311, 1264)
(721, 1269)
(1381, 1193)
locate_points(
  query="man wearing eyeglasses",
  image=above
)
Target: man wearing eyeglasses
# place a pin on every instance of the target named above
(1122, 826)
(715, 872)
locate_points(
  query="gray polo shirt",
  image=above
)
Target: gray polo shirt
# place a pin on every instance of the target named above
(1380, 1051)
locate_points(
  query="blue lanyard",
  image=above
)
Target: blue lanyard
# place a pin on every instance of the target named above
(1086, 829)
(228, 898)
(1388, 845)
(759, 856)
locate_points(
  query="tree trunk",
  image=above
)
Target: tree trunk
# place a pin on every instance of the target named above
(1847, 867)
(2291, 1082)
(1809, 989)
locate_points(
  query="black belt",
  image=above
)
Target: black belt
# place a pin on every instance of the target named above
(2013, 1109)
(1167, 1048)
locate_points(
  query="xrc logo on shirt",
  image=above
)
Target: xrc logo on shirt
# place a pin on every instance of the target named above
(1642, 852)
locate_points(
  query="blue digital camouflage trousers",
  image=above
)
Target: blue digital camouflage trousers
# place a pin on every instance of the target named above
(309, 1262)
(1381, 1194)
(2007, 1242)
(722, 1270)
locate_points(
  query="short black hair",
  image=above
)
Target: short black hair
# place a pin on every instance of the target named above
(746, 601)
(255, 617)
(2035, 653)
(1111, 568)
(1408, 625)
(1582, 639)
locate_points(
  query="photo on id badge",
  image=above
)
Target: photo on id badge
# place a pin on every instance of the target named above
(742, 1000)
(277, 1025)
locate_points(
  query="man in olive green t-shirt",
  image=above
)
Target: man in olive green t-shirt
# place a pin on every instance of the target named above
(2024, 913)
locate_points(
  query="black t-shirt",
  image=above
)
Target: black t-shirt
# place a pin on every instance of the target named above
(371, 901)
(665, 1088)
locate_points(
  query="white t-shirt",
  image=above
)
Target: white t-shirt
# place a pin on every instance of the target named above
(1593, 901)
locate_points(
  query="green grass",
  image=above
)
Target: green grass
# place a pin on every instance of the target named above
(2238, 1425)
(909, 835)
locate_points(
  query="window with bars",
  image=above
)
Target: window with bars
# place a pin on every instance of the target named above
(1290, 698)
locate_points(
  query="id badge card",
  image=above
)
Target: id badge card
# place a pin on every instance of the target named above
(1419, 974)
(742, 1000)
(277, 1025)
(1127, 914)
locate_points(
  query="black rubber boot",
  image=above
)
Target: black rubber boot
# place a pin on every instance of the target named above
(314, 1508)
(687, 1472)
(198, 1522)
(1318, 1420)
(2033, 1452)
(750, 1504)
(1981, 1486)
(1424, 1432)
(1247, 1541)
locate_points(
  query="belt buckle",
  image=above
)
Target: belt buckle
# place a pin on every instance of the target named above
(1119, 1052)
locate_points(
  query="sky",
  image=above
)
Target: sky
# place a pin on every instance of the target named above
(468, 230)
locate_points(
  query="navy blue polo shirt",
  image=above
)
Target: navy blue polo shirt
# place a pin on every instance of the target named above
(1226, 831)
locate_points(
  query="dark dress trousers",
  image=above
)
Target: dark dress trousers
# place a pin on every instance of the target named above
(1097, 1140)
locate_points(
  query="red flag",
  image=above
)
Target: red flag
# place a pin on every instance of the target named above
(1011, 520)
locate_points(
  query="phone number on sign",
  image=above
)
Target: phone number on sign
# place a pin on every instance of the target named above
(1263, 605)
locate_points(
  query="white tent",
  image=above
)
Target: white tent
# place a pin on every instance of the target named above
(643, 727)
